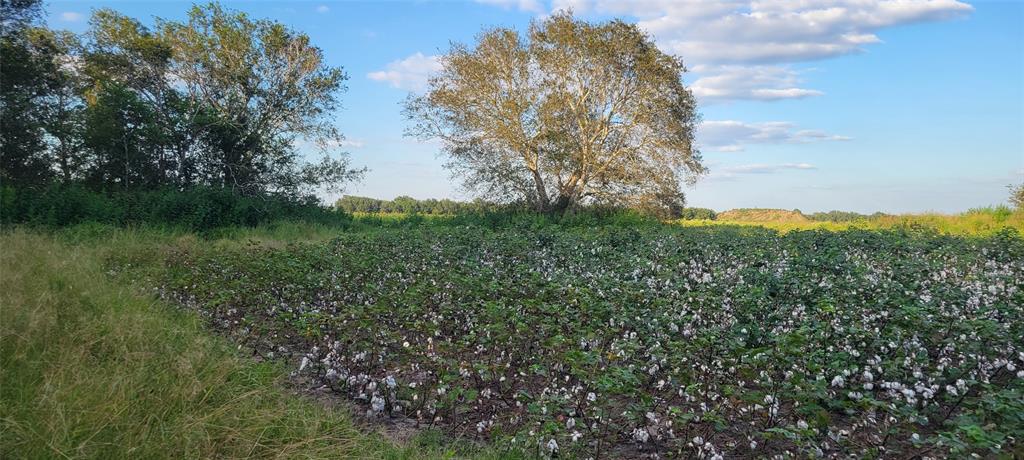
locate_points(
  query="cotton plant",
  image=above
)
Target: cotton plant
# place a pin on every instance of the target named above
(566, 342)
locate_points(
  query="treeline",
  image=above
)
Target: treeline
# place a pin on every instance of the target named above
(410, 205)
(217, 101)
(844, 216)
(431, 206)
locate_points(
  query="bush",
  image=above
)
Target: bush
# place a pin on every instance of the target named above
(698, 214)
(195, 209)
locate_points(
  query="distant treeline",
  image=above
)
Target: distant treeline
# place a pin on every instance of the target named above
(844, 216)
(409, 205)
(431, 206)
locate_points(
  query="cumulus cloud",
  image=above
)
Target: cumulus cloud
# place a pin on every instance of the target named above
(71, 16)
(323, 9)
(410, 74)
(740, 37)
(733, 136)
(766, 83)
(761, 31)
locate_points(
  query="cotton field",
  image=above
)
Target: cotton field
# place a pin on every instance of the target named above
(645, 342)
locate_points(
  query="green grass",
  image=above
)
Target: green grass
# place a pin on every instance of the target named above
(92, 369)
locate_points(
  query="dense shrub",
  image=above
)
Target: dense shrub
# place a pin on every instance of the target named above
(843, 216)
(197, 209)
(698, 214)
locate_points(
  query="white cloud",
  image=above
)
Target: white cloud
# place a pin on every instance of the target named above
(323, 9)
(578, 7)
(733, 136)
(410, 74)
(352, 143)
(741, 37)
(761, 31)
(71, 16)
(533, 6)
(764, 83)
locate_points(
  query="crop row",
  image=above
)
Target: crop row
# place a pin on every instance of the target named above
(630, 342)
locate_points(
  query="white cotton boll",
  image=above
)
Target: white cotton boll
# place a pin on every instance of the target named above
(552, 446)
(377, 404)
(838, 381)
(641, 435)
(569, 424)
(591, 397)
(576, 435)
(390, 381)
(801, 425)
(304, 363)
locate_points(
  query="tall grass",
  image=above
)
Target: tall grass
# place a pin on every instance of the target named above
(91, 369)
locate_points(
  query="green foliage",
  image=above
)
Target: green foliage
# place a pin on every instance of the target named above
(195, 209)
(218, 100)
(698, 214)
(409, 205)
(843, 216)
(542, 117)
(30, 79)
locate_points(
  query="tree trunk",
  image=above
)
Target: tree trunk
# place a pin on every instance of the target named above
(562, 204)
(542, 195)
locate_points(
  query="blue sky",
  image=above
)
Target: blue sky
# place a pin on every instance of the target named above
(896, 106)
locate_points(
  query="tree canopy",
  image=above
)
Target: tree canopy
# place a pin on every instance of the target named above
(217, 99)
(571, 112)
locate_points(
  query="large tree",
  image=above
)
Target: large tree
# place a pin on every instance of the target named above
(30, 76)
(570, 113)
(268, 89)
(218, 99)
